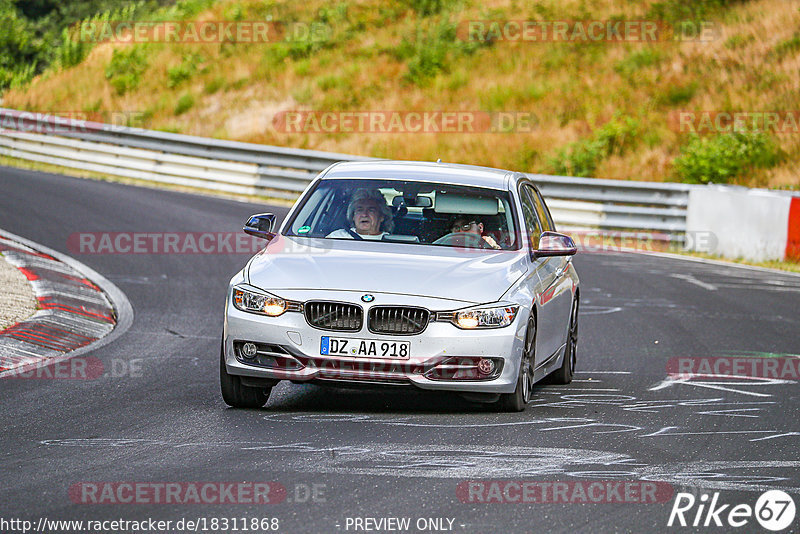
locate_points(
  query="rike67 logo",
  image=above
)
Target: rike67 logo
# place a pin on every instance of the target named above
(774, 510)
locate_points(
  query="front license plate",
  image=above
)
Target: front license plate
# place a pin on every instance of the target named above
(340, 346)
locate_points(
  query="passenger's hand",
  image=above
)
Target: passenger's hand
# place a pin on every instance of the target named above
(492, 243)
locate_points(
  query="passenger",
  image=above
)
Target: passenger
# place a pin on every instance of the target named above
(466, 224)
(370, 216)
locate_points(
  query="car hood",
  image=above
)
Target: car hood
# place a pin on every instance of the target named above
(470, 276)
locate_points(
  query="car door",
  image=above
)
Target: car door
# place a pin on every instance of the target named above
(548, 333)
(558, 295)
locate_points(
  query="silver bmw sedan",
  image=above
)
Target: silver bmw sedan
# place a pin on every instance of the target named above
(429, 275)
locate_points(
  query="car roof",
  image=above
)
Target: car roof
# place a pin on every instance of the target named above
(423, 171)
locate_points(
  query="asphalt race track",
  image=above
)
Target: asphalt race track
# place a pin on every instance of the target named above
(392, 452)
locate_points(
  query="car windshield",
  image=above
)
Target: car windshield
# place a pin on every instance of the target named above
(406, 211)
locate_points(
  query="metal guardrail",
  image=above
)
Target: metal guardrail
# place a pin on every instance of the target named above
(247, 168)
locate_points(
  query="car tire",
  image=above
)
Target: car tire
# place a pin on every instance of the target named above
(564, 374)
(236, 394)
(516, 402)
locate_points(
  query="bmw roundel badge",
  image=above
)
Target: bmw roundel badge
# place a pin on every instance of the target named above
(367, 298)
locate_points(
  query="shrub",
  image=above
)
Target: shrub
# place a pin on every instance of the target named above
(187, 68)
(788, 47)
(73, 48)
(433, 49)
(328, 82)
(637, 60)
(124, 71)
(214, 85)
(426, 8)
(722, 158)
(618, 135)
(186, 9)
(430, 54)
(734, 42)
(581, 158)
(673, 11)
(677, 94)
(18, 48)
(184, 104)
(35, 35)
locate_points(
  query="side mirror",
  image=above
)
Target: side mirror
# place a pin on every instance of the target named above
(555, 244)
(260, 225)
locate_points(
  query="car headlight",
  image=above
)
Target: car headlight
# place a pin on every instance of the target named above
(489, 317)
(252, 302)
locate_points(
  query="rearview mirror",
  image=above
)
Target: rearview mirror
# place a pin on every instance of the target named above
(415, 202)
(555, 244)
(260, 225)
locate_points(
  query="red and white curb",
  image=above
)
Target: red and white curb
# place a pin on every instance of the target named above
(78, 309)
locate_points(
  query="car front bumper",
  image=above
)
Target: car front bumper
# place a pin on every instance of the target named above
(294, 346)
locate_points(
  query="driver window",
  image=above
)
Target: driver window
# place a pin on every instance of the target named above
(532, 225)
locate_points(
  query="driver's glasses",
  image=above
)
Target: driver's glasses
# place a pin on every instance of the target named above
(466, 227)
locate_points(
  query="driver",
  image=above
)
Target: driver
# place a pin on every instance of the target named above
(370, 216)
(466, 224)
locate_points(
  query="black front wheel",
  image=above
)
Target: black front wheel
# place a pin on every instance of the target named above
(515, 402)
(563, 375)
(236, 394)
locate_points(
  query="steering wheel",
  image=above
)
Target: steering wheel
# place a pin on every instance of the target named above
(463, 239)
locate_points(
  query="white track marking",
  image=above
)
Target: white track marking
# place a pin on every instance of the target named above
(692, 280)
(602, 372)
(777, 436)
(732, 413)
(747, 381)
(599, 310)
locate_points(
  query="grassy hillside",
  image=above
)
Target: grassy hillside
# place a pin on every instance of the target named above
(601, 109)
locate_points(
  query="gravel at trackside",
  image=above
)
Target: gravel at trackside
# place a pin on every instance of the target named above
(17, 301)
